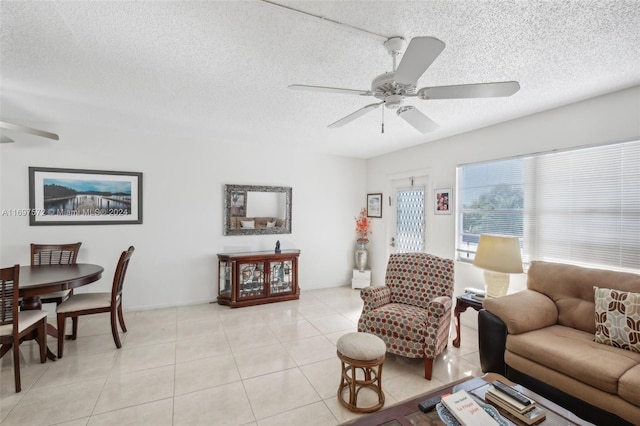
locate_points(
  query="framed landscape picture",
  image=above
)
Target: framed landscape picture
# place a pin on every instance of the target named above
(84, 197)
(374, 205)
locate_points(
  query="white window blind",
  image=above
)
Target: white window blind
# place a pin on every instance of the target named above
(580, 206)
(490, 201)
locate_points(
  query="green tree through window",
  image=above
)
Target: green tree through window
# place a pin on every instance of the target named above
(498, 211)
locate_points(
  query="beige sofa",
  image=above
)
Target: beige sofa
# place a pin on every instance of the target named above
(544, 337)
(258, 222)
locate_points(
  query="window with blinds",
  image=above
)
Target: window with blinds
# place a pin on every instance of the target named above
(580, 206)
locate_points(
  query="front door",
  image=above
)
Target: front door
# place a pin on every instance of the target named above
(409, 211)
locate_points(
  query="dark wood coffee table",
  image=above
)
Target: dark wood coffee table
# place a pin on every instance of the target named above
(407, 413)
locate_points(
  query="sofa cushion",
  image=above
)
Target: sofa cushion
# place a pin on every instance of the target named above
(258, 222)
(606, 401)
(629, 385)
(574, 353)
(523, 311)
(572, 289)
(618, 318)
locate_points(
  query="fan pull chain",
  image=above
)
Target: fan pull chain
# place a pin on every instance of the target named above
(382, 119)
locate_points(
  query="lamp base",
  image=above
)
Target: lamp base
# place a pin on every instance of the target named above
(496, 284)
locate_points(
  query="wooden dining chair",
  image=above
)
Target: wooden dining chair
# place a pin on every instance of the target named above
(55, 254)
(95, 303)
(15, 325)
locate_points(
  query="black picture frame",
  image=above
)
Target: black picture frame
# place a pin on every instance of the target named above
(374, 205)
(84, 197)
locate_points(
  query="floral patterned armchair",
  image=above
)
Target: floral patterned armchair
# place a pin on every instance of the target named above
(412, 312)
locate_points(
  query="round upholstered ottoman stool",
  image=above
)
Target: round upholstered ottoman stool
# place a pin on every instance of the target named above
(366, 352)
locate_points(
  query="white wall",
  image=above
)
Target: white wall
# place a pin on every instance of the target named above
(609, 118)
(175, 260)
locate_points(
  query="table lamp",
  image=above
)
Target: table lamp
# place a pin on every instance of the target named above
(499, 256)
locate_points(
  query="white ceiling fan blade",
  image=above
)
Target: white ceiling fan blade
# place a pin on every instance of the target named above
(304, 87)
(421, 122)
(5, 139)
(462, 91)
(349, 118)
(420, 54)
(25, 129)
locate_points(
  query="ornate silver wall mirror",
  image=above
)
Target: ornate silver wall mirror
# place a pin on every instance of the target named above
(257, 210)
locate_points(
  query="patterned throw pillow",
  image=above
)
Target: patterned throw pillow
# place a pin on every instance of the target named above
(618, 318)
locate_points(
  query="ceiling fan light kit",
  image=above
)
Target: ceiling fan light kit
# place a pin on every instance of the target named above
(392, 88)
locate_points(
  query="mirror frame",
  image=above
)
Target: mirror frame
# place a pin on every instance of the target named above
(228, 189)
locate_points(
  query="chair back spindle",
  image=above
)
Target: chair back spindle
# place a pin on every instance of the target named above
(9, 295)
(54, 254)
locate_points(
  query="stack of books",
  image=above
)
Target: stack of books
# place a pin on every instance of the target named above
(514, 404)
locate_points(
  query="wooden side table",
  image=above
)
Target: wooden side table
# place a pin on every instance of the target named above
(462, 303)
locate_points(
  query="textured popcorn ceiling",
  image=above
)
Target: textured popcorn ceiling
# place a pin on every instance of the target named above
(218, 70)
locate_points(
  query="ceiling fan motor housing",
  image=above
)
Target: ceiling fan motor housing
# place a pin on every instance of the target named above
(385, 88)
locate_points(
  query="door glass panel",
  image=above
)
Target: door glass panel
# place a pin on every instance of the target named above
(225, 279)
(410, 223)
(251, 280)
(281, 278)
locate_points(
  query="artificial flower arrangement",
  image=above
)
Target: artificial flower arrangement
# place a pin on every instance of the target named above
(363, 224)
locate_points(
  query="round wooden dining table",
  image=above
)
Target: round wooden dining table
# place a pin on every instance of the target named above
(42, 279)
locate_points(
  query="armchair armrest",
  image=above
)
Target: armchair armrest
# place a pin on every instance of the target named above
(438, 306)
(436, 330)
(523, 311)
(374, 297)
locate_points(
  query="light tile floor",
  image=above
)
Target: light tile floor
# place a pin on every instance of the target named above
(207, 364)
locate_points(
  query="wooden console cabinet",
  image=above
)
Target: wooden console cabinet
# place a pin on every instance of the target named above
(254, 278)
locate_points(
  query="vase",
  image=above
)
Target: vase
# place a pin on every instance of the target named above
(362, 255)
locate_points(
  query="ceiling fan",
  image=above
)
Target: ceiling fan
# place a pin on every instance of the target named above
(24, 129)
(391, 88)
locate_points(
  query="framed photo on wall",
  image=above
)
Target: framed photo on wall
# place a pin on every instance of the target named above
(374, 205)
(84, 197)
(443, 201)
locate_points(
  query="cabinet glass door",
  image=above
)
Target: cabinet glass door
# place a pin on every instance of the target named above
(281, 277)
(224, 268)
(251, 280)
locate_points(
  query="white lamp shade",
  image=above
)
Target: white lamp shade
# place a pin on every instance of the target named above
(499, 253)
